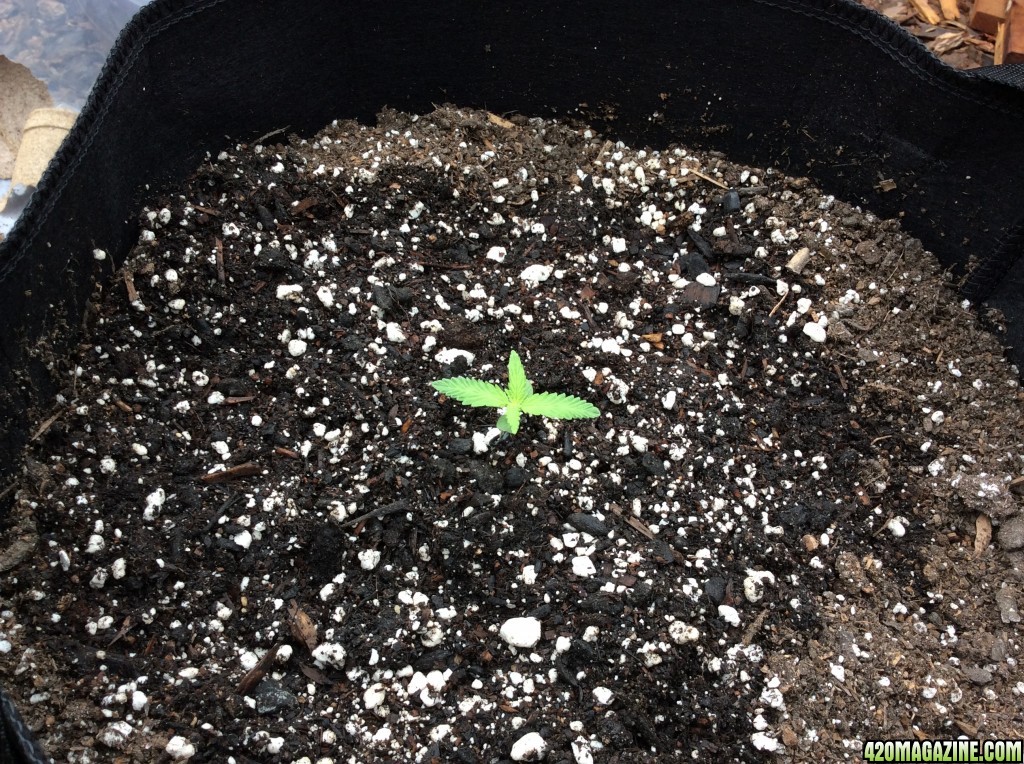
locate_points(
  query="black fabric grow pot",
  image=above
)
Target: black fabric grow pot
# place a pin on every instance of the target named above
(824, 88)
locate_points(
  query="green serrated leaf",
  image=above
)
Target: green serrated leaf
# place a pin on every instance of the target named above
(559, 406)
(519, 387)
(472, 392)
(509, 421)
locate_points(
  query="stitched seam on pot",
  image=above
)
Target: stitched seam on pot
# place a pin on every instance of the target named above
(900, 47)
(14, 727)
(94, 116)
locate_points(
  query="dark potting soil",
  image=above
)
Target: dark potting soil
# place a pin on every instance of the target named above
(250, 530)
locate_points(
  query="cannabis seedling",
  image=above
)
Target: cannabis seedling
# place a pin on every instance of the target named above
(517, 398)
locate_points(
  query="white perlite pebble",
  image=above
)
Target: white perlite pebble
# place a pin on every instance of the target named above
(497, 254)
(243, 539)
(530, 747)
(329, 653)
(448, 355)
(581, 751)
(754, 584)
(296, 348)
(521, 632)
(139, 700)
(764, 742)
(583, 567)
(374, 695)
(668, 400)
(815, 331)
(729, 614)
(706, 279)
(115, 735)
(603, 695)
(153, 504)
(368, 559)
(291, 292)
(536, 272)
(896, 526)
(394, 332)
(681, 633)
(179, 749)
(326, 296)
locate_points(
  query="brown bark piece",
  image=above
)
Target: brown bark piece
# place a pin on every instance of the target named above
(982, 534)
(925, 11)
(986, 15)
(302, 626)
(1014, 33)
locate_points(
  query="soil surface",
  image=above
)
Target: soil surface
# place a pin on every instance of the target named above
(250, 529)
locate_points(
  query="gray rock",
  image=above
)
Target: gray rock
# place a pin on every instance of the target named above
(978, 675)
(1011, 533)
(1006, 601)
(515, 477)
(460, 446)
(653, 465)
(271, 696)
(587, 524)
(488, 479)
(998, 652)
(716, 589)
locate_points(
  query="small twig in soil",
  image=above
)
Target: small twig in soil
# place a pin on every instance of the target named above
(778, 305)
(287, 452)
(605, 148)
(129, 285)
(8, 489)
(387, 509)
(257, 672)
(756, 279)
(839, 373)
(125, 628)
(271, 134)
(46, 425)
(889, 389)
(242, 470)
(641, 528)
(500, 121)
(449, 266)
(751, 631)
(222, 510)
(708, 178)
(221, 276)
